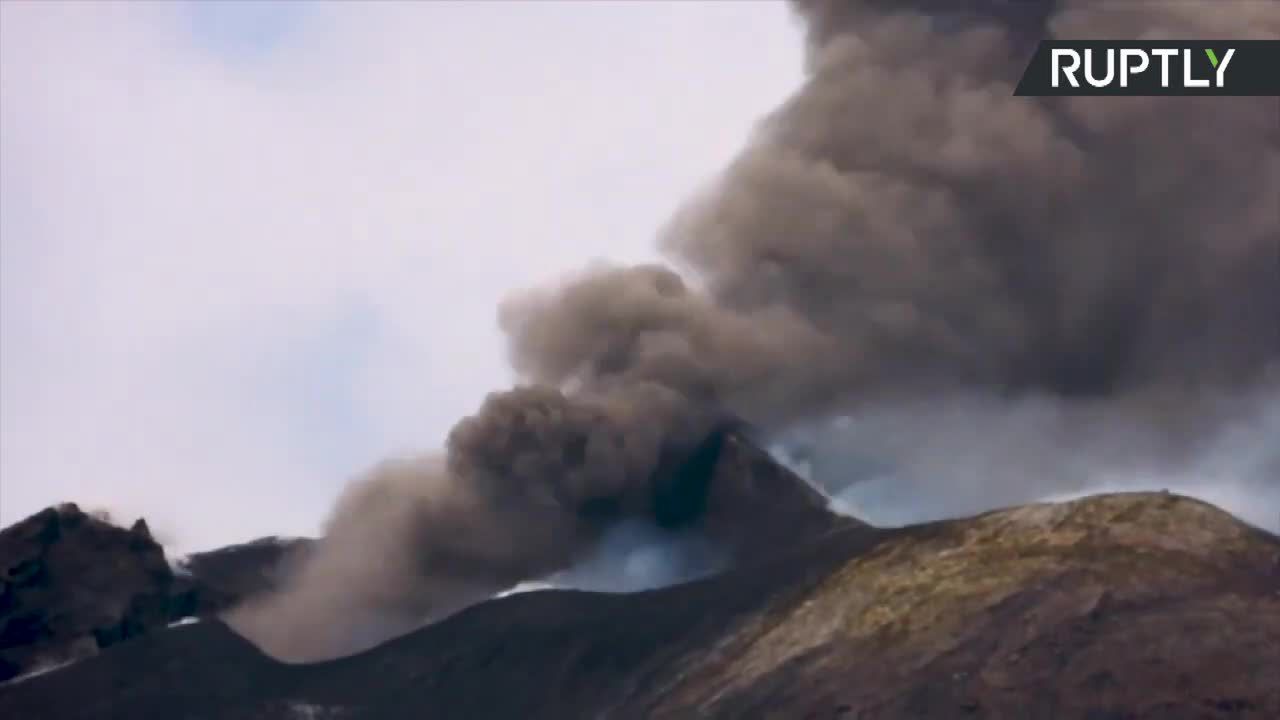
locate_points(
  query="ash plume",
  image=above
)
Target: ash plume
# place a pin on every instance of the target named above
(901, 231)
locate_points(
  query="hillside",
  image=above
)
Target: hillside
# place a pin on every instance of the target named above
(1120, 606)
(72, 584)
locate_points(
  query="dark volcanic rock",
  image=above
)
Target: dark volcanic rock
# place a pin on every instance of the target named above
(742, 498)
(233, 573)
(73, 584)
(1121, 606)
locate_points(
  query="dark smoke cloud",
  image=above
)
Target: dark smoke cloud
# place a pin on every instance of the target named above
(901, 229)
(938, 230)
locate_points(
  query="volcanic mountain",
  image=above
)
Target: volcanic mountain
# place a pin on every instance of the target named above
(1120, 606)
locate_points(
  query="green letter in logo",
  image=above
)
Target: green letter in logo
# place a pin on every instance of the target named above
(1212, 58)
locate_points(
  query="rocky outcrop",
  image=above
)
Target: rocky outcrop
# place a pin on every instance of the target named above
(743, 499)
(73, 584)
(230, 574)
(1120, 606)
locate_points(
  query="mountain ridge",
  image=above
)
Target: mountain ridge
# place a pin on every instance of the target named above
(1142, 605)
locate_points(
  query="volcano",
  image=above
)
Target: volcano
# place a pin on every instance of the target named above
(1146, 605)
(736, 493)
(75, 584)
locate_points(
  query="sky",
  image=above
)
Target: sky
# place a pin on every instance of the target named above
(250, 249)
(247, 250)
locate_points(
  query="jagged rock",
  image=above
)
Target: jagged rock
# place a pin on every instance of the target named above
(70, 577)
(141, 529)
(1122, 606)
(74, 583)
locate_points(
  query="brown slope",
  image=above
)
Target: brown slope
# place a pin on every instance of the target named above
(1122, 606)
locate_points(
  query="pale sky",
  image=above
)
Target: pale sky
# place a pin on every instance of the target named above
(247, 250)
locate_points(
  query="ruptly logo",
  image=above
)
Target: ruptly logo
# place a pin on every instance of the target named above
(1096, 67)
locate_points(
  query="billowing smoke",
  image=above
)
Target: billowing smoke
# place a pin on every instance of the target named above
(901, 235)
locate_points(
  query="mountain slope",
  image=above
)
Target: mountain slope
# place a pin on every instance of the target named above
(236, 572)
(1122, 606)
(72, 584)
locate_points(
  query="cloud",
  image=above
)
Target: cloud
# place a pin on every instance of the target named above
(963, 454)
(231, 279)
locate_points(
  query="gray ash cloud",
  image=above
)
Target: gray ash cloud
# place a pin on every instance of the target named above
(902, 228)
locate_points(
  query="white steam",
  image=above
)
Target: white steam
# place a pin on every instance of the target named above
(961, 455)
